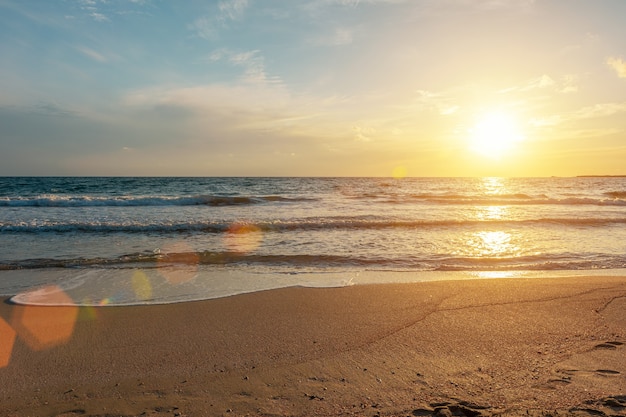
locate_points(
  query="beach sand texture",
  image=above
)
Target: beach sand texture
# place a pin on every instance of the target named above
(462, 348)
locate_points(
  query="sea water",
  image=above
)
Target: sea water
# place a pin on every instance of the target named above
(155, 240)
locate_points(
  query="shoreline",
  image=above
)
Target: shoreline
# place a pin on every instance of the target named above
(190, 283)
(486, 346)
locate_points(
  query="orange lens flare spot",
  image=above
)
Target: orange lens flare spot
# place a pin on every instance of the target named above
(7, 339)
(243, 238)
(179, 263)
(44, 327)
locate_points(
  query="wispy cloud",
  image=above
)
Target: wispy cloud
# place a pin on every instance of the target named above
(595, 111)
(252, 62)
(570, 83)
(92, 10)
(204, 27)
(600, 110)
(258, 109)
(489, 4)
(88, 52)
(566, 84)
(534, 83)
(618, 65)
(208, 27)
(442, 102)
(363, 133)
(338, 37)
(351, 3)
(232, 9)
(99, 17)
(105, 10)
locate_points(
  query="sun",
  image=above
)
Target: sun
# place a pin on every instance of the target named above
(494, 135)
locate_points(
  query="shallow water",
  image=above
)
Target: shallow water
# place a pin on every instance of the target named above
(288, 230)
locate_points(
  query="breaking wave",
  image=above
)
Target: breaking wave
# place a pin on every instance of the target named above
(317, 262)
(140, 201)
(288, 226)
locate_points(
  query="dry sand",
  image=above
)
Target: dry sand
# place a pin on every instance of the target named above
(468, 348)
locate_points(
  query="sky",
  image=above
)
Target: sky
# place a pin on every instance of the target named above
(313, 87)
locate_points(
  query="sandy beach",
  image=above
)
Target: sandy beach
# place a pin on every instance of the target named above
(465, 348)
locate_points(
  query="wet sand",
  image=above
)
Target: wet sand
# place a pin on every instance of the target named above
(467, 348)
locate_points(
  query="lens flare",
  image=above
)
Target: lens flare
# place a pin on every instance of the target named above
(179, 263)
(7, 339)
(141, 286)
(399, 172)
(88, 310)
(243, 238)
(44, 327)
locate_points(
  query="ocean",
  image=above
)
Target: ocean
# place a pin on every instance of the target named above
(117, 241)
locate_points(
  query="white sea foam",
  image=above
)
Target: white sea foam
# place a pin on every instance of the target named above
(115, 287)
(106, 287)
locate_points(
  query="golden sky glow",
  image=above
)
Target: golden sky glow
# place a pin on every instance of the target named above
(313, 88)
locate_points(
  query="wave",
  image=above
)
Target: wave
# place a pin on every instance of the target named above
(571, 201)
(616, 194)
(299, 225)
(501, 200)
(314, 262)
(613, 198)
(130, 201)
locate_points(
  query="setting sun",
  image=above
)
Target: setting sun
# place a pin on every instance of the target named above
(494, 135)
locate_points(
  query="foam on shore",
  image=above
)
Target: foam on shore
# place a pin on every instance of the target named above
(174, 284)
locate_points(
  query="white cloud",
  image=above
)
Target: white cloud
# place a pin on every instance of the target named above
(208, 27)
(252, 62)
(570, 83)
(539, 82)
(492, 4)
(363, 133)
(105, 10)
(255, 108)
(99, 17)
(590, 112)
(600, 110)
(351, 3)
(204, 27)
(232, 9)
(567, 84)
(443, 103)
(618, 65)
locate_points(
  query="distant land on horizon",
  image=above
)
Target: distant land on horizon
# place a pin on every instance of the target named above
(602, 176)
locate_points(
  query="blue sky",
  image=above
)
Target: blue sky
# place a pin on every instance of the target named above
(311, 87)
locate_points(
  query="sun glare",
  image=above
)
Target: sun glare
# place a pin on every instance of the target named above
(495, 135)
